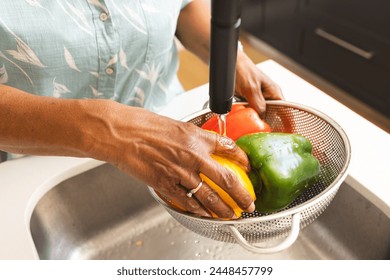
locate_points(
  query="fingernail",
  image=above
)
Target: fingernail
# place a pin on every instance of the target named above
(251, 208)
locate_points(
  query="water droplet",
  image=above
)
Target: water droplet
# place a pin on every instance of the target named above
(197, 255)
(196, 241)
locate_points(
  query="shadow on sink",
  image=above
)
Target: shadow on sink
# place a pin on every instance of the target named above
(105, 214)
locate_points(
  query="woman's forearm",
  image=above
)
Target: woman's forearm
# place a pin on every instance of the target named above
(193, 29)
(49, 126)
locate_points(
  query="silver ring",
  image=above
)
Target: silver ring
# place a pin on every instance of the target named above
(193, 191)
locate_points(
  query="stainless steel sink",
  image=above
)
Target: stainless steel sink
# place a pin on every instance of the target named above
(105, 214)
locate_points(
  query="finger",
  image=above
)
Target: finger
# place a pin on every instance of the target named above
(270, 89)
(250, 90)
(211, 200)
(229, 182)
(178, 198)
(256, 101)
(227, 148)
(206, 196)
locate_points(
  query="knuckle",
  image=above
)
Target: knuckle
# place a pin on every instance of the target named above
(229, 180)
(226, 142)
(217, 205)
(192, 205)
(212, 198)
(252, 86)
(165, 182)
(186, 129)
(228, 213)
(190, 130)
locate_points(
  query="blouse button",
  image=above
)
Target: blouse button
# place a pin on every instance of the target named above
(103, 16)
(109, 71)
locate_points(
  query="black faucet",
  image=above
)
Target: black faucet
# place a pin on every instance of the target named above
(225, 23)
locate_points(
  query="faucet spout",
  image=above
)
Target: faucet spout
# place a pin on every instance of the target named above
(225, 23)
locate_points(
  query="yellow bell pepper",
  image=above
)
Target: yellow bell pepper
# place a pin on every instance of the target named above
(242, 177)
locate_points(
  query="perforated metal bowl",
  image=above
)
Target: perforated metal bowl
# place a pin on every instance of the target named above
(332, 149)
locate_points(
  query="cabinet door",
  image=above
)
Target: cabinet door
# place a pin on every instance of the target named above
(361, 70)
(371, 16)
(273, 21)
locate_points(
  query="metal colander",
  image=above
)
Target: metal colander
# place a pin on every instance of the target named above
(332, 149)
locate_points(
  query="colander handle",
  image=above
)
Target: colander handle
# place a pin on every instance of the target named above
(287, 242)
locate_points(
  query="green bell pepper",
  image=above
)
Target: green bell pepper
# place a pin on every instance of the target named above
(282, 167)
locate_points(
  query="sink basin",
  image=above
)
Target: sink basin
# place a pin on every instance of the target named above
(105, 214)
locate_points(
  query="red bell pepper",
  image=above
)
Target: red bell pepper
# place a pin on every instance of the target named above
(240, 121)
(212, 124)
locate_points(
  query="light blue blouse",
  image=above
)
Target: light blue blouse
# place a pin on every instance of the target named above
(114, 49)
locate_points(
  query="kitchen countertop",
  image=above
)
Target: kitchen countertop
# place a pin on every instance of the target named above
(24, 181)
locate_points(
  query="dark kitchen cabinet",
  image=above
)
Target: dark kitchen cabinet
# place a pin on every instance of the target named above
(274, 21)
(346, 42)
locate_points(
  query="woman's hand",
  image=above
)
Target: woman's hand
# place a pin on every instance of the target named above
(168, 155)
(253, 85)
